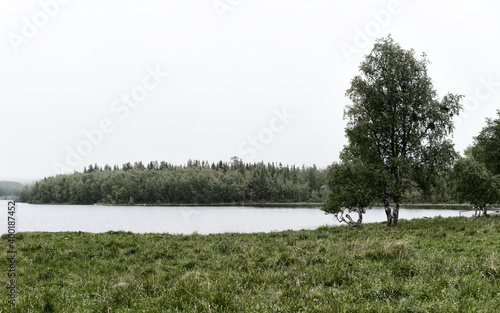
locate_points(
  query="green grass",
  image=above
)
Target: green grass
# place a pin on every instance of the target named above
(428, 265)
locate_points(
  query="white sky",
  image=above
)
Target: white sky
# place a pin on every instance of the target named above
(230, 71)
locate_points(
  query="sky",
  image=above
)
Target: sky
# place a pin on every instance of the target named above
(110, 82)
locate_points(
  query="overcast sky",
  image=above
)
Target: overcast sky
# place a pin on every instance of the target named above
(107, 82)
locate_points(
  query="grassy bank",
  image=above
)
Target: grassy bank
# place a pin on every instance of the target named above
(428, 265)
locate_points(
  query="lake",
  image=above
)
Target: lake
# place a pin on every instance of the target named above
(184, 219)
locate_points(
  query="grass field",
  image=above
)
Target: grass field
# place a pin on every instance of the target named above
(427, 265)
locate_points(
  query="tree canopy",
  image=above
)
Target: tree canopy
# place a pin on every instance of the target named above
(194, 183)
(473, 183)
(397, 123)
(10, 188)
(486, 146)
(353, 186)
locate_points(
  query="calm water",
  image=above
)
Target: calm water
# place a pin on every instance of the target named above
(183, 220)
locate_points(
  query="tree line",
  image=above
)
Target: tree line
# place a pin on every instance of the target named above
(10, 188)
(196, 182)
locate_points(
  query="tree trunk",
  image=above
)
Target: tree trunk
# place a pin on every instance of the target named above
(477, 210)
(388, 212)
(348, 219)
(485, 209)
(395, 213)
(391, 214)
(360, 216)
(350, 222)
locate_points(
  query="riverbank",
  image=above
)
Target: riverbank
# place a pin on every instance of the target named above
(422, 265)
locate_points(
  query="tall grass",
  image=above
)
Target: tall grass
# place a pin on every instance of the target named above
(428, 265)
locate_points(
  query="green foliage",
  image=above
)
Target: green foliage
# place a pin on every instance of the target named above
(486, 146)
(196, 183)
(396, 121)
(353, 187)
(432, 265)
(10, 188)
(472, 183)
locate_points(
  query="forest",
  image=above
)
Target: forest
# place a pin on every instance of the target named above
(197, 182)
(10, 188)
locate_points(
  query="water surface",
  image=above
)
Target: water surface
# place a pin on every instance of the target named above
(185, 219)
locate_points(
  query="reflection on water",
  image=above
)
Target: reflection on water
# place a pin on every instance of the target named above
(186, 219)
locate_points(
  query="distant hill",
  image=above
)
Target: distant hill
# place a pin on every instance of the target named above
(10, 188)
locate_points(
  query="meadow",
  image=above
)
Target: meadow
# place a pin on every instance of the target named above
(420, 265)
